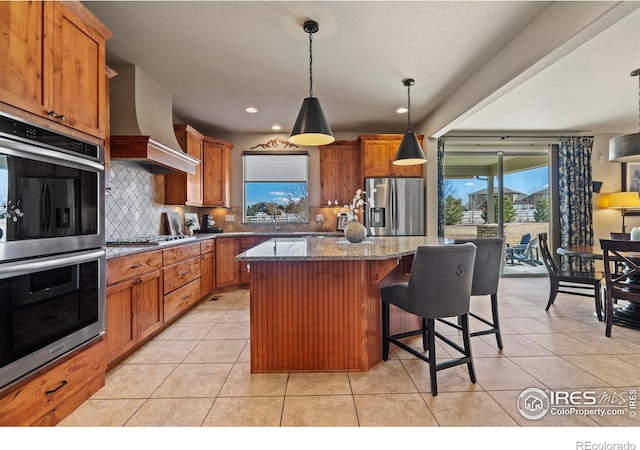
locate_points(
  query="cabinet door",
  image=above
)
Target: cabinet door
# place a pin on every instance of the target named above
(194, 182)
(208, 273)
(122, 332)
(376, 159)
(227, 273)
(22, 57)
(330, 175)
(149, 307)
(78, 73)
(213, 174)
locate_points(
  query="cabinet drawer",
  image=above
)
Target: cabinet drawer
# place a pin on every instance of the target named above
(119, 269)
(208, 246)
(180, 274)
(181, 298)
(179, 253)
(43, 394)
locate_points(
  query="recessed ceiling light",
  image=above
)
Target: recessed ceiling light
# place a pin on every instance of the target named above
(251, 110)
(276, 127)
(401, 110)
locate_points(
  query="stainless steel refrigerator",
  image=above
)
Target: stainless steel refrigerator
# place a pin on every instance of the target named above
(395, 206)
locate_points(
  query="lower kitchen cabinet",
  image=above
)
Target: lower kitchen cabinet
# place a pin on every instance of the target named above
(208, 266)
(134, 312)
(227, 269)
(181, 273)
(56, 390)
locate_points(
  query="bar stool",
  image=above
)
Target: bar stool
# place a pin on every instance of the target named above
(486, 276)
(439, 286)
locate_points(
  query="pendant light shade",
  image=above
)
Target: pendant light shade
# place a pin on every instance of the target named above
(409, 153)
(311, 127)
(627, 148)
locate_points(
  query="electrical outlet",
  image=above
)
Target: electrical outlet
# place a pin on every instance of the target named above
(229, 218)
(319, 217)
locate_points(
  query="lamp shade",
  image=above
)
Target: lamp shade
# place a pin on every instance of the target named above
(623, 200)
(625, 148)
(311, 127)
(409, 153)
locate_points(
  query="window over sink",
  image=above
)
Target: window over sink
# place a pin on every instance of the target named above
(275, 187)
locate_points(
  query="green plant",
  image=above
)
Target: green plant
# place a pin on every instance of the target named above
(509, 213)
(541, 214)
(453, 210)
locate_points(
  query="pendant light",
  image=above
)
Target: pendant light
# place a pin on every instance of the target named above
(311, 127)
(409, 153)
(627, 148)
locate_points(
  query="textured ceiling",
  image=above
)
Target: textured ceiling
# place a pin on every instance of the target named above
(217, 58)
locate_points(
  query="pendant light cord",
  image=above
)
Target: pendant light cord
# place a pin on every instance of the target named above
(409, 107)
(310, 64)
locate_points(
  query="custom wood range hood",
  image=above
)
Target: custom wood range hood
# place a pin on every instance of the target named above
(142, 124)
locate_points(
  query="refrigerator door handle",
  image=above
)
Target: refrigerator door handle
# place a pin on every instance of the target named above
(393, 205)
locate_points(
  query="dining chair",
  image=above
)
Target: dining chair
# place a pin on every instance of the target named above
(439, 287)
(585, 284)
(486, 277)
(620, 285)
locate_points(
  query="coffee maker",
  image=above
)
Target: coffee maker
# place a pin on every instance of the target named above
(208, 225)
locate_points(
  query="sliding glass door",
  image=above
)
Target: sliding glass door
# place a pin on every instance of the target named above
(499, 193)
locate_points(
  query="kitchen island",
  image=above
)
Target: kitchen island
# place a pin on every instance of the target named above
(315, 301)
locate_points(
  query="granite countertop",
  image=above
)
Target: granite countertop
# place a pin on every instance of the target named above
(115, 251)
(336, 248)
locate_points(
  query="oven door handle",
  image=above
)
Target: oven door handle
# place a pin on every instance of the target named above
(22, 267)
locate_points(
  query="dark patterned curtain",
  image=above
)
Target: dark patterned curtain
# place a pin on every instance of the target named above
(575, 197)
(441, 187)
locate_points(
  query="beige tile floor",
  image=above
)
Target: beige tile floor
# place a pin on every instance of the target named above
(196, 374)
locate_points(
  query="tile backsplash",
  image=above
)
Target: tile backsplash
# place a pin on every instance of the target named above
(135, 206)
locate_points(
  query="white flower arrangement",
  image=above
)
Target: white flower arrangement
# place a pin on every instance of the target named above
(355, 207)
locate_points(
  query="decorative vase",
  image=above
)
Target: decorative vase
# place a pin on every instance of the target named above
(635, 234)
(355, 232)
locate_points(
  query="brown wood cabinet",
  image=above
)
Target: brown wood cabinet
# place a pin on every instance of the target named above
(181, 275)
(208, 266)
(52, 63)
(134, 301)
(216, 172)
(340, 172)
(227, 269)
(378, 152)
(210, 185)
(55, 390)
(186, 189)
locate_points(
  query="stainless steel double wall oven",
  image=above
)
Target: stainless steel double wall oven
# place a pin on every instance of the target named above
(52, 246)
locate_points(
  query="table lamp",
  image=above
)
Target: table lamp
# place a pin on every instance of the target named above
(623, 201)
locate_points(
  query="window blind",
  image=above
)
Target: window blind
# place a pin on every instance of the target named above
(275, 167)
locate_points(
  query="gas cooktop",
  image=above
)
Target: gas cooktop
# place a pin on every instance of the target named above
(152, 240)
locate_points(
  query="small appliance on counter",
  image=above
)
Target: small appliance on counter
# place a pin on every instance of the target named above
(208, 225)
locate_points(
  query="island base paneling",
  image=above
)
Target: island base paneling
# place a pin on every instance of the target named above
(319, 316)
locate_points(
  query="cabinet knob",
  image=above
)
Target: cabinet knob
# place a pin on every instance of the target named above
(138, 281)
(62, 117)
(51, 114)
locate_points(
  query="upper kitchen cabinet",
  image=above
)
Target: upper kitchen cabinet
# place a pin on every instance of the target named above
(216, 172)
(210, 185)
(52, 63)
(186, 189)
(378, 151)
(340, 173)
